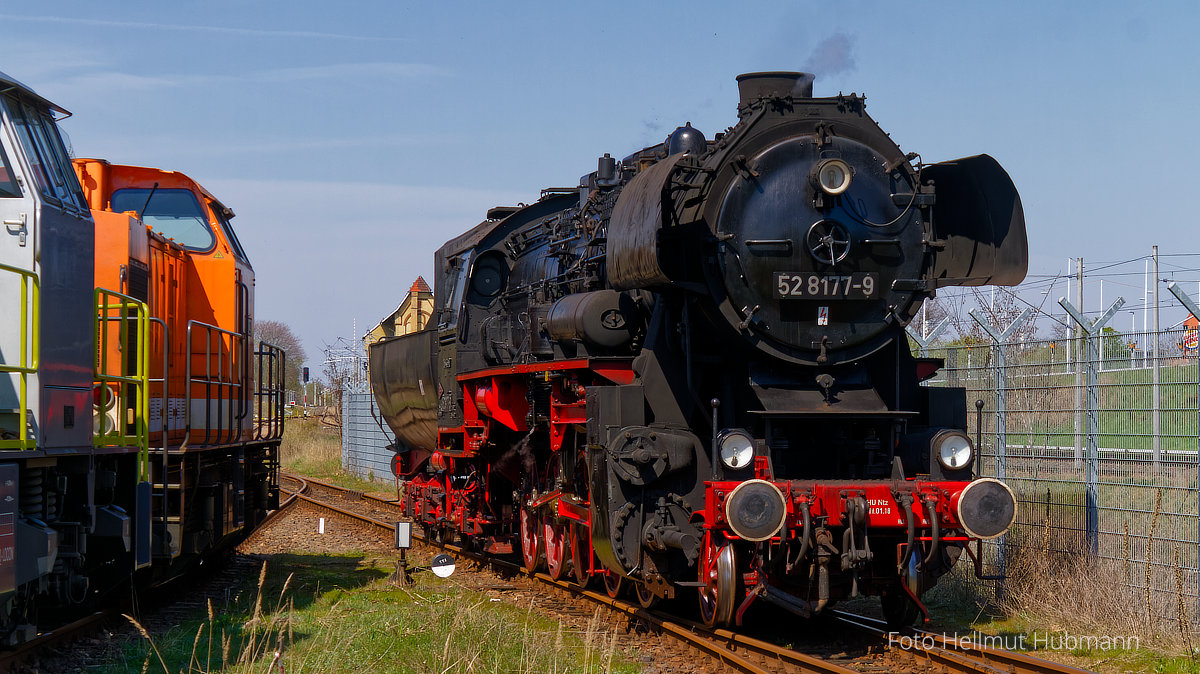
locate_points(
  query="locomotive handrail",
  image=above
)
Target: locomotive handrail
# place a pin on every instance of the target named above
(29, 355)
(247, 346)
(165, 416)
(127, 310)
(269, 394)
(166, 361)
(218, 383)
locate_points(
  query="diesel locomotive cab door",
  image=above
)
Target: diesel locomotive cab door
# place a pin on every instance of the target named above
(17, 210)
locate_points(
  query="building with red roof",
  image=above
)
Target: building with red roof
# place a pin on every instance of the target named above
(412, 315)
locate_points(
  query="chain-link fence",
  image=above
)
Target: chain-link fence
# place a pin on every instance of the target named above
(366, 444)
(1098, 439)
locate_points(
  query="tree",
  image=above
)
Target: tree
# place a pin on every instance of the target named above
(277, 333)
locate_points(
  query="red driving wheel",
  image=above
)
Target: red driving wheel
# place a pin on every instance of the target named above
(612, 583)
(580, 539)
(554, 537)
(529, 540)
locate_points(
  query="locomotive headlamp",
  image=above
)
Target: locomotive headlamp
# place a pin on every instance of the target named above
(833, 176)
(953, 450)
(736, 448)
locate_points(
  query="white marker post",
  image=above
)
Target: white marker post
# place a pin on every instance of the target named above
(403, 543)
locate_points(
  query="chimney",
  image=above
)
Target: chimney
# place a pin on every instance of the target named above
(753, 86)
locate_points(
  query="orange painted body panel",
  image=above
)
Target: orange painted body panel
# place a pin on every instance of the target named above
(168, 303)
(114, 230)
(185, 287)
(119, 233)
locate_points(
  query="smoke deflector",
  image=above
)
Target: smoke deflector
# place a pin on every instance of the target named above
(979, 222)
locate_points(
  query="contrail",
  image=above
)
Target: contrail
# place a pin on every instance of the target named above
(209, 29)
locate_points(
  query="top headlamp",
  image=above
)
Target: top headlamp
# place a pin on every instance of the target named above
(833, 176)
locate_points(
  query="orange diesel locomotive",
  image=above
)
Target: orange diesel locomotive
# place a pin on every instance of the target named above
(163, 239)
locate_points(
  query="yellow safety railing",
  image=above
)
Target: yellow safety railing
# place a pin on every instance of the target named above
(28, 356)
(122, 328)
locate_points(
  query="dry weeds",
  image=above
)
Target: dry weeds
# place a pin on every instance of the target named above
(1063, 588)
(310, 447)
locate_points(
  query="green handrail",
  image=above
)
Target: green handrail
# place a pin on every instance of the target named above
(29, 356)
(123, 310)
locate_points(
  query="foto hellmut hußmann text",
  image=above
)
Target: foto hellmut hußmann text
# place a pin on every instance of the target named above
(1038, 641)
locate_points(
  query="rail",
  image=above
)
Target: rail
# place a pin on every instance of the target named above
(23, 655)
(28, 357)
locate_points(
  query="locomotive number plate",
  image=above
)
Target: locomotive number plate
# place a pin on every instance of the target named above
(855, 286)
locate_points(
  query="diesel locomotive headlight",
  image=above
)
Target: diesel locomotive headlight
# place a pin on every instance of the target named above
(833, 176)
(736, 448)
(953, 450)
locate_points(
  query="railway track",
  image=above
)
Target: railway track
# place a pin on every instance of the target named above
(735, 651)
(186, 597)
(23, 655)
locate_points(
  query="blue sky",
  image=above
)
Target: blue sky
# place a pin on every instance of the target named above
(353, 138)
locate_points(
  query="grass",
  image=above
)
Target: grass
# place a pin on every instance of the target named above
(1060, 605)
(338, 613)
(346, 613)
(314, 449)
(311, 448)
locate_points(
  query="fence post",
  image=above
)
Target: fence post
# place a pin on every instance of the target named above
(1091, 333)
(923, 341)
(1186, 300)
(347, 435)
(1000, 444)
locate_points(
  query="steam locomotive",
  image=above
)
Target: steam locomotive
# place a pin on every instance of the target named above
(691, 372)
(139, 425)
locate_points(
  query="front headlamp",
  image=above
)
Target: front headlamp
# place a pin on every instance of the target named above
(736, 448)
(953, 449)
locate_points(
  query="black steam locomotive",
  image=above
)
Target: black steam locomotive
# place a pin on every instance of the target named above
(691, 371)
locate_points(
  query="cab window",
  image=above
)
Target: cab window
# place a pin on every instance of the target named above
(8, 179)
(52, 172)
(230, 235)
(174, 213)
(456, 278)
